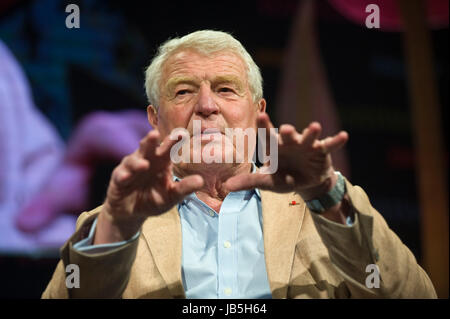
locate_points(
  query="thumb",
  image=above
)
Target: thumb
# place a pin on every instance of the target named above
(249, 181)
(187, 186)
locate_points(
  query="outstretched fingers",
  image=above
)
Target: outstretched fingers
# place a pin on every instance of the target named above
(311, 133)
(164, 149)
(334, 143)
(288, 134)
(157, 152)
(148, 145)
(263, 122)
(125, 175)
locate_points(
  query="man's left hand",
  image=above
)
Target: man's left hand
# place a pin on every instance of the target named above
(304, 162)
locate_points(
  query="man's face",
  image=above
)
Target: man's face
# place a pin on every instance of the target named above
(213, 90)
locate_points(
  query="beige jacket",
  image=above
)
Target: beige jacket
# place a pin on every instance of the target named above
(307, 256)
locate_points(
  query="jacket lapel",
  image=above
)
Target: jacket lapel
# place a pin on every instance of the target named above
(281, 226)
(163, 236)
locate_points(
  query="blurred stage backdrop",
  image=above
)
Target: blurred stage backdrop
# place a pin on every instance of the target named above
(72, 104)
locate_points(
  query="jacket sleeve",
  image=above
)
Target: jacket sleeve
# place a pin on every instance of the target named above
(101, 275)
(355, 250)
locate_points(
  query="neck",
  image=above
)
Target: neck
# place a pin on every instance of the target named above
(213, 192)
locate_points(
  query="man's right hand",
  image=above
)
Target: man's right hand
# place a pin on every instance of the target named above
(141, 186)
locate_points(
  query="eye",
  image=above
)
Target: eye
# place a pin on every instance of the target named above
(182, 92)
(226, 89)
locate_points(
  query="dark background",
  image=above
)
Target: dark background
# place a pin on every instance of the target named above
(100, 66)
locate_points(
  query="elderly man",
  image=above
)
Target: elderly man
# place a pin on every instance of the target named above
(213, 229)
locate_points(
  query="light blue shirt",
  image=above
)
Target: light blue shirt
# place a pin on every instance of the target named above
(223, 253)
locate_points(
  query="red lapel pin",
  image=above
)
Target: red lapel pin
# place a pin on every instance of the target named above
(293, 203)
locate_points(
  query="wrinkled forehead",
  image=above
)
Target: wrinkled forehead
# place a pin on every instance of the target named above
(192, 63)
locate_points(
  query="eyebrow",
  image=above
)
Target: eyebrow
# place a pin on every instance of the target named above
(221, 79)
(232, 79)
(173, 82)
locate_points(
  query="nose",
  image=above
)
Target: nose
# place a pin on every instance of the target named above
(206, 106)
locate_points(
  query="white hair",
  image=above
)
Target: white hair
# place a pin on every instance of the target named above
(205, 42)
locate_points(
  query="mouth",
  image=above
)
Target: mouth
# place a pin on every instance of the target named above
(208, 131)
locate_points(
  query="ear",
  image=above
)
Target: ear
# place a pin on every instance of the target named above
(262, 106)
(152, 115)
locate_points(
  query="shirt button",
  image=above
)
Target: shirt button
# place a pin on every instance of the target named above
(226, 244)
(228, 291)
